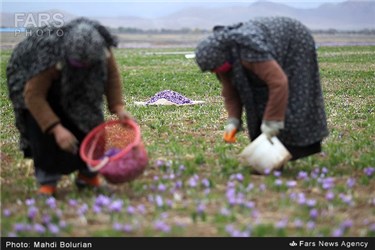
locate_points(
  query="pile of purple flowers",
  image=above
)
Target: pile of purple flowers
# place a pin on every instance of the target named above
(171, 96)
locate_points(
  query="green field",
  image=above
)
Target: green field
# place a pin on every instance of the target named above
(194, 185)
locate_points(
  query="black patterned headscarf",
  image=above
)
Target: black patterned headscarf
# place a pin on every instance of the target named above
(79, 48)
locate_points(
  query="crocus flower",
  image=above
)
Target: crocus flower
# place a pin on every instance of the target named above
(302, 175)
(130, 210)
(350, 182)
(192, 182)
(291, 184)
(281, 223)
(278, 182)
(39, 228)
(369, 171)
(162, 226)
(330, 195)
(72, 203)
(116, 206)
(239, 177)
(206, 183)
(162, 187)
(102, 200)
(314, 213)
(310, 202)
(298, 223)
(338, 232)
(30, 202)
(117, 226)
(32, 212)
(53, 228)
(6, 212)
(127, 228)
(159, 201)
(201, 208)
(51, 202)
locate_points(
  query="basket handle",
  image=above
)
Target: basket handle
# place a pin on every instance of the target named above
(102, 163)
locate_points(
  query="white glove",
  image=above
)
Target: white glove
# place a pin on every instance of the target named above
(230, 130)
(271, 128)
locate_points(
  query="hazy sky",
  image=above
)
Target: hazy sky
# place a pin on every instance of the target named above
(142, 8)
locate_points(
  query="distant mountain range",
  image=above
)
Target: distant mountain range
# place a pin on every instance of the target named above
(349, 15)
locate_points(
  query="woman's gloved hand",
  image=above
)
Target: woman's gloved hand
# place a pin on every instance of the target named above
(230, 130)
(271, 128)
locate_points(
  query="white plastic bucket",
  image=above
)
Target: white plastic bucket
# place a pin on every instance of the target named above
(265, 155)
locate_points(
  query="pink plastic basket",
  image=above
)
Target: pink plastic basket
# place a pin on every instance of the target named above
(115, 150)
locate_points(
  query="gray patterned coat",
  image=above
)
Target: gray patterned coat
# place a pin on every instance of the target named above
(289, 43)
(79, 92)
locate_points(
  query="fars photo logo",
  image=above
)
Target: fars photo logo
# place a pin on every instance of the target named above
(31, 23)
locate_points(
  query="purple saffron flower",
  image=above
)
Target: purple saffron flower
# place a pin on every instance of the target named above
(96, 209)
(127, 228)
(369, 171)
(162, 187)
(54, 229)
(171, 96)
(314, 213)
(159, 163)
(291, 184)
(224, 211)
(83, 209)
(12, 234)
(19, 227)
(46, 218)
(262, 187)
(159, 201)
(310, 225)
(62, 224)
(302, 175)
(116, 206)
(32, 212)
(201, 208)
(330, 196)
(267, 171)
(346, 198)
(298, 223)
(230, 229)
(162, 226)
(338, 232)
(141, 209)
(117, 226)
(278, 182)
(181, 168)
(350, 182)
(130, 210)
(249, 204)
(192, 182)
(372, 227)
(231, 193)
(178, 184)
(277, 173)
(6, 212)
(249, 187)
(51, 202)
(301, 199)
(346, 224)
(311, 202)
(281, 223)
(39, 228)
(239, 177)
(102, 200)
(30, 202)
(72, 203)
(206, 183)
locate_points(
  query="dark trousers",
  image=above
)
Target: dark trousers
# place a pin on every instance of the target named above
(50, 161)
